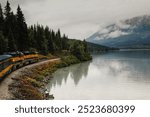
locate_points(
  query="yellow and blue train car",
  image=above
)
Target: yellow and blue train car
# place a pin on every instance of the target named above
(12, 61)
(5, 65)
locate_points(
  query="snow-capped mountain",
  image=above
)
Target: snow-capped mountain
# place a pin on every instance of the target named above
(131, 33)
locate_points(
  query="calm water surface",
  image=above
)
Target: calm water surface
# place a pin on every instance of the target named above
(112, 75)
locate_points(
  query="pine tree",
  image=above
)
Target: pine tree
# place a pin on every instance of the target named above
(32, 40)
(3, 44)
(7, 13)
(9, 27)
(11, 41)
(20, 16)
(65, 45)
(53, 38)
(7, 10)
(48, 36)
(1, 19)
(58, 40)
(85, 46)
(12, 33)
(22, 38)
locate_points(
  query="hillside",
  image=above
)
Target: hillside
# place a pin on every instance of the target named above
(98, 48)
(130, 33)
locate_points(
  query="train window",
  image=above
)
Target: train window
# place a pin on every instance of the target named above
(14, 54)
(4, 61)
(7, 64)
(26, 52)
(4, 65)
(1, 67)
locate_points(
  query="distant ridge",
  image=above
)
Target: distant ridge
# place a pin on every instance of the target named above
(130, 33)
(98, 48)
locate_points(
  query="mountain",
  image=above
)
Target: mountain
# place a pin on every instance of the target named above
(98, 48)
(130, 33)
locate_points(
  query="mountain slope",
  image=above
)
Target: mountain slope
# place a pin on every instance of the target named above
(131, 33)
(98, 48)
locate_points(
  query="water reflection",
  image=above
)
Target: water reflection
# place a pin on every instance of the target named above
(75, 72)
(113, 75)
(135, 63)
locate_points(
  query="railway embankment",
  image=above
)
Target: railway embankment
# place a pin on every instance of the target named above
(28, 82)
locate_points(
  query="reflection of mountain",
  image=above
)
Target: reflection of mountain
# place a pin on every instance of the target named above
(112, 75)
(131, 33)
(134, 64)
(75, 72)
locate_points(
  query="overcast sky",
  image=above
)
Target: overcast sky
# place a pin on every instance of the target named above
(79, 18)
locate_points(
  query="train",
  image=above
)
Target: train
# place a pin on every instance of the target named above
(12, 61)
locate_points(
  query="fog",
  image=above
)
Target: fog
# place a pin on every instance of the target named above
(79, 18)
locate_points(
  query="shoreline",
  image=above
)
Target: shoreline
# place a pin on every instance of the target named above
(29, 82)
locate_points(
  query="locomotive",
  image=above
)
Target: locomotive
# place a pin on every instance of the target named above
(14, 60)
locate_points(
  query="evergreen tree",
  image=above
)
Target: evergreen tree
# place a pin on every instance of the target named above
(42, 44)
(7, 10)
(3, 44)
(78, 50)
(9, 28)
(11, 41)
(65, 44)
(22, 38)
(49, 39)
(1, 19)
(58, 40)
(7, 13)
(85, 46)
(53, 38)
(31, 37)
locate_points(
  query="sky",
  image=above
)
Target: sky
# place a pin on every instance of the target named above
(79, 18)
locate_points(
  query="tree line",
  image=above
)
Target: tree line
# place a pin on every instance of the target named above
(13, 30)
(15, 35)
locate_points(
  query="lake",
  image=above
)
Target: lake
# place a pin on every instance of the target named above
(112, 75)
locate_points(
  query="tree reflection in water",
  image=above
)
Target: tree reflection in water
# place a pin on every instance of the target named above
(76, 72)
(111, 75)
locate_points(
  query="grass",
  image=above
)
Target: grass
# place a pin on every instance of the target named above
(30, 85)
(67, 61)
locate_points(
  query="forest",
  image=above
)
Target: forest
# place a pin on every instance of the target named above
(16, 35)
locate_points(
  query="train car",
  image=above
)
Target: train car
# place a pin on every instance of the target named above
(30, 57)
(21, 59)
(16, 60)
(5, 65)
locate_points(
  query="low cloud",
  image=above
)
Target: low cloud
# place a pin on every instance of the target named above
(116, 34)
(80, 18)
